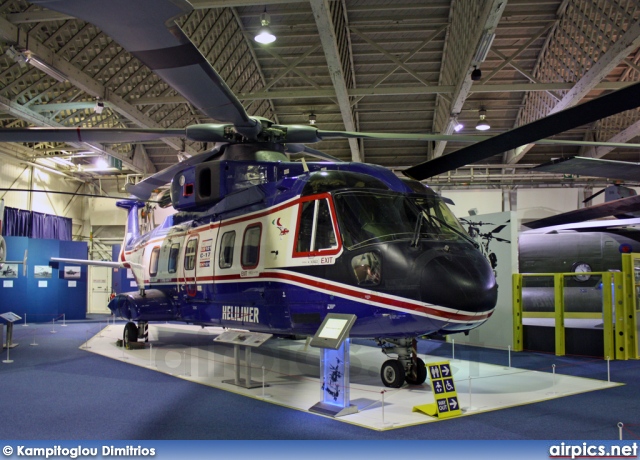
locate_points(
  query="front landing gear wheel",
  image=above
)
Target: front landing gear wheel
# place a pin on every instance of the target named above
(418, 375)
(129, 335)
(392, 373)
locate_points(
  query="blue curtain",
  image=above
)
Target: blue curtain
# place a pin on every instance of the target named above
(18, 222)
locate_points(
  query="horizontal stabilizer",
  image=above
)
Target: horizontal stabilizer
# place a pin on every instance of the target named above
(97, 263)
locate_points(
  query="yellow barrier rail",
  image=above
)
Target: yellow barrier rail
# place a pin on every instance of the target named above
(618, 309)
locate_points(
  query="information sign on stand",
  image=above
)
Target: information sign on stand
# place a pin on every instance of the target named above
(248, 340)
(444, 391)
(10, 318)
(333, 338)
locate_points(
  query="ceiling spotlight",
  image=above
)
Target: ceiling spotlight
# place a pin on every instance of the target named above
(312, 118)
(483, 124)
(476, 74)
(102, 164)
(99, 107)
(457, 126)
(265, 36)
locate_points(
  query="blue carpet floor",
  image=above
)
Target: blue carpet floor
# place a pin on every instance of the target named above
(57, 391)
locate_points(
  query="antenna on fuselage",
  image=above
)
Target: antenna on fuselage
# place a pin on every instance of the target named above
(304, 165)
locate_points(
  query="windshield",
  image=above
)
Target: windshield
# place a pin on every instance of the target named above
(371, 217)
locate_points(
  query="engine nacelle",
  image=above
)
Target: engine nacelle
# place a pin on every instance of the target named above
(197, 186)
(155, 305)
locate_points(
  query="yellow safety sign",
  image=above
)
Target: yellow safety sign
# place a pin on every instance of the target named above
(444, 391)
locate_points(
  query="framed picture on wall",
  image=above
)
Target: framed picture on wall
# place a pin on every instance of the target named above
(42, 271)
(9, 271)
(72, 273)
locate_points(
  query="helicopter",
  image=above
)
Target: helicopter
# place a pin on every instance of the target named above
(263, 243)
(474, 231)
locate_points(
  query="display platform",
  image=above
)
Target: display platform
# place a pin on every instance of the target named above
(290, 369)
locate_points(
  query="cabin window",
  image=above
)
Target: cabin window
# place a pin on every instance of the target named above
(315, 231)
(251, 246)
(153, 261)
(226, 249)
(190, 254)
(173, 258)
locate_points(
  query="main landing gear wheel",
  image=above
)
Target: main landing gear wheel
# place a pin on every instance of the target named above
(418, 373)
(392, 373)
(129, 335)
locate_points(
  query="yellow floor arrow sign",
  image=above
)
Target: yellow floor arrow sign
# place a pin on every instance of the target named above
(444, 391)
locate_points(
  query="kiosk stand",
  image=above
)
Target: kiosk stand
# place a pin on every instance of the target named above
(332, 337)
(248, 340)
(10, 318)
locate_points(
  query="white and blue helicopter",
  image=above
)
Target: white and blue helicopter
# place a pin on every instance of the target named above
(263, 243)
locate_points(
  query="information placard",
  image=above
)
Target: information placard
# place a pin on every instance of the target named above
(10, 317)
(246, 338)
(333, 331)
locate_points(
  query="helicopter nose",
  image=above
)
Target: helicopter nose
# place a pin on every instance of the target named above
(462, 282)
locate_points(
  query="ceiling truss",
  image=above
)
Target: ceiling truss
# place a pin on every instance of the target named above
(369, 65)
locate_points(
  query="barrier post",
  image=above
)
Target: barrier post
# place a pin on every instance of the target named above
(558, 291)
(518, 335)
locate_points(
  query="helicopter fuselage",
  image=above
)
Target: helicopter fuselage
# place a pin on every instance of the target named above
(280, 255)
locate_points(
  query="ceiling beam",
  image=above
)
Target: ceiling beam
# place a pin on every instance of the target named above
(623, 136)
(616, 53)
(415, 90)
(492, 14)
(322, 15)
(34, 118)
(202, 4)
(36, 16)
(14, 36)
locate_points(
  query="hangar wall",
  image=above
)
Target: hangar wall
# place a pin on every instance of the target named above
(532, 203)
(45, 297)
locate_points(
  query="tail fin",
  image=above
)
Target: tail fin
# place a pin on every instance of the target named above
(132, 232)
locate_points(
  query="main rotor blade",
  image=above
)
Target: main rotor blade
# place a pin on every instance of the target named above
(588, 112)
(596, 167)
(145, 187)
(324, 135)
(102, 135)
(147, 29)
(612, 208)
(457, 138)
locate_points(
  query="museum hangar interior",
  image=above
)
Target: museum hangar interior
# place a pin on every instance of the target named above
(427, 81)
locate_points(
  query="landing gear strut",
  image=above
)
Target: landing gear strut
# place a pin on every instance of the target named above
(407, 367)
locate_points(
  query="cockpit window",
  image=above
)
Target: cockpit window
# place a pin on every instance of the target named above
(443, 217)
(326, 181)
(372, 217)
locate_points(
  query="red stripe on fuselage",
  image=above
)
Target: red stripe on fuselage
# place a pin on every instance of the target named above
(345, 291)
